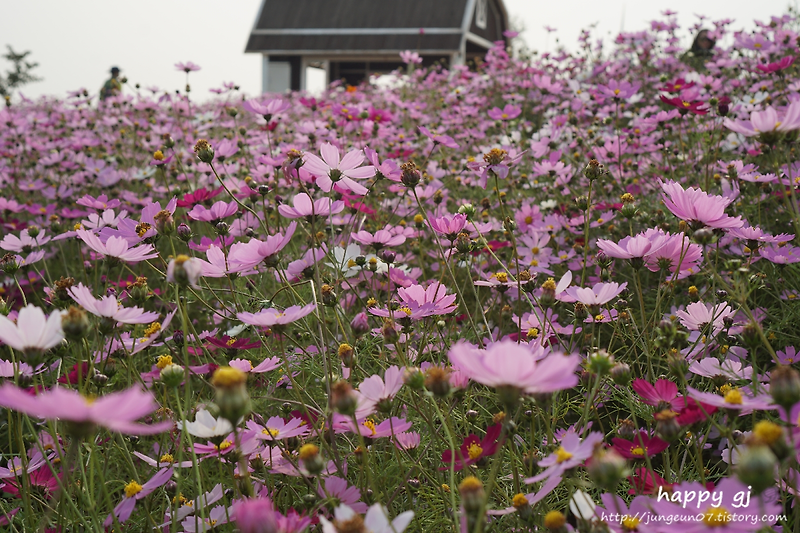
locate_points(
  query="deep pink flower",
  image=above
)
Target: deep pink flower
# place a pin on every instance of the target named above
(663, 393)
(697, 207)
(473, 449)
(694, 107)
(639, 447)
(117, 411)
(777, 66)
(331, 170)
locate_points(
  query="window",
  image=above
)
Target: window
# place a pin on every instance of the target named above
(481, 14)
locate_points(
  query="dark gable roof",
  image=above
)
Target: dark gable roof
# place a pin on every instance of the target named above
(330, 27)
(280, 14)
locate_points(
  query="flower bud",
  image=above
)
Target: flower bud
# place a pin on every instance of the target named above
(756, 468)
(347, 355)
(184, 270)
(165, 224)
(555, 521)
(437, 380)
(472, 494)
(360, 324)
(621, 374)
(467, 210)
(231, 393)
(184, 232)
(667, 426)
(607, 468)
(600, 362)
(343, 398)
(204, 151)
(310, 459)
(75, 323)
(784, 386)
(413, 378)
(172, 375)
(410, 174)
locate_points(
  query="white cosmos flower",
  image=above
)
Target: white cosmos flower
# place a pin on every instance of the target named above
(205, 426)
(375, 521)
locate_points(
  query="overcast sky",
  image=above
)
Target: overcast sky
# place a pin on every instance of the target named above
(77, 41)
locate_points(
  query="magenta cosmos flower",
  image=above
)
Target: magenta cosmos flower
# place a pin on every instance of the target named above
(449, 225)
(109, 307)
(332, 169)
(508, 364)
(33, 332)
(697, 207)
(663, 393)
(117, 247)
(117, 411)
(273, 317)
(640, 446)
(417, 302)
(600, 294)
(304, 207)
(338, 489)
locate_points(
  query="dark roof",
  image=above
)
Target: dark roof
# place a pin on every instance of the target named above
(367, 26)
(279, 14)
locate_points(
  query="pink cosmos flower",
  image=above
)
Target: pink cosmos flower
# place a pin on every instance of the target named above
(272, 107)
(698, 316)
(217, 212)
(638, 246)
(697, 207)
(267, 365)
(418, 302)
(619, 90)
(572, 452)
(135, 492)
(448, 225)
(368, 428)
(509, 112)
(117, 247)
(24, 243)
(255, 515)
(342, 172)
(735, 399)
(438, 138)
(758, 235)
(389, 169)
(508, 364)
(276, 428)
(533, 498)
(599, 294)
(378, 240)
(767, 121)
(109, 307)
(338, 489)
(304, 207)
(268, 318)
(374, 391)
(676, 254)
(116, 411)
(100, 203)
(33, 332)
(409, 57)
(187, 67)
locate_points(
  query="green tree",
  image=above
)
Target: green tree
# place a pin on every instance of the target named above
(19, 74)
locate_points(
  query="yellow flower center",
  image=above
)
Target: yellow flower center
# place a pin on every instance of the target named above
(733, 396)
(308, 451)
(533, 333)
(502, 277)
(166, 458)
(599, 318)
(272, 432)
(163, 361)
(630, 523)
(406, 310)
(519, 501)
(716, 517)
(639, 451)
(369, 424)
(158, 155)
(529, 220)
(474, 451)
(132, 489)
(600, 220)
(616, 91)
(231, 342)
(224, 445)
(562, 455)
(152, 329)
(77, 226)
(227, 376)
